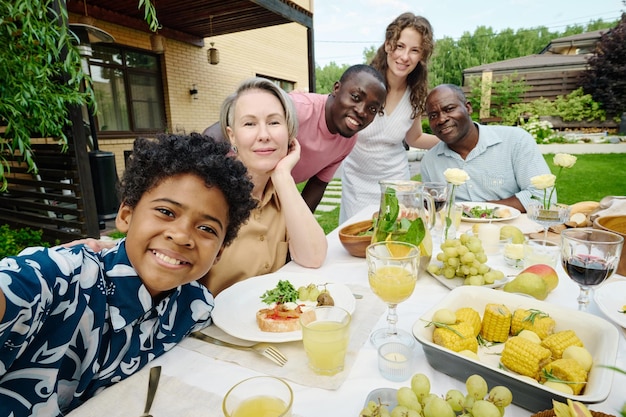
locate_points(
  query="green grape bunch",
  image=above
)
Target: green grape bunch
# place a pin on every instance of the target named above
(465, 258)
(418, 401)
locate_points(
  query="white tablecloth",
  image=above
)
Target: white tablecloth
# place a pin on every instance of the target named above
(215, 377)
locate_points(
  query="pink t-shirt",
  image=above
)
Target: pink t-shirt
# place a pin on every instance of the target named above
(322, 151)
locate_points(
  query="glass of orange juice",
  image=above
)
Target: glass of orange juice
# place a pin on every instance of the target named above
(392, 269)
(325, 336)
(259, 396)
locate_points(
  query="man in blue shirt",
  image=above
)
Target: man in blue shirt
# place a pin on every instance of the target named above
(73, 321)
(500, 160)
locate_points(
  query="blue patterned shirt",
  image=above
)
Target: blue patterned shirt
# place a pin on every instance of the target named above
(78, 321)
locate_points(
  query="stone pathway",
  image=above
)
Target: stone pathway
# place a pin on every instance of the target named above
(331, 199)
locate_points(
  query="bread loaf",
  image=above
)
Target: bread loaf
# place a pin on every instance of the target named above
(278, 319)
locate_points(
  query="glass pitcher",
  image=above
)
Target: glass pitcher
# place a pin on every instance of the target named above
(406, 214)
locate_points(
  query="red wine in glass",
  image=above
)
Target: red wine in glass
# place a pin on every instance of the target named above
(587, 270)
(439, 204)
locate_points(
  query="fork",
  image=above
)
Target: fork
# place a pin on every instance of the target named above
(263, 349)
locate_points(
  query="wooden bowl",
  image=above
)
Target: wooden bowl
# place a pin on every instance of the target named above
(353, 240)
(615, 224)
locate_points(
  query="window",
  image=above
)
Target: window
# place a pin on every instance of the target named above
(127, 87)
(285, 85)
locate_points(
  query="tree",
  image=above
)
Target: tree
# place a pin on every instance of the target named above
(326, 77)
(604, 79)
(41, 74)
(368, 54)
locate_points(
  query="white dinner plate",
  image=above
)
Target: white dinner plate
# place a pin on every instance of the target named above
(611, 298)
(236, 307)
(514, 212)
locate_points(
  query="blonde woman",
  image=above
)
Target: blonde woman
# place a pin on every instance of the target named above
(261, 126)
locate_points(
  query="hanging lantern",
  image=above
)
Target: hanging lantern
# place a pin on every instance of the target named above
(213, 55)
(157, 42)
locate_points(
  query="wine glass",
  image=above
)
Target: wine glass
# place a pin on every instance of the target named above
(439, 191)
(392, 269)
(547, 217)
(589, 257)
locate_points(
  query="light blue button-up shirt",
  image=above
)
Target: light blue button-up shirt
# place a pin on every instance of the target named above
(500, 166)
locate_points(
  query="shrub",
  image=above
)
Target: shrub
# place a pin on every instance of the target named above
(576, 106)
(504, 93)
(426, 125)
(540, 129)
(13, 241)
(605, 77)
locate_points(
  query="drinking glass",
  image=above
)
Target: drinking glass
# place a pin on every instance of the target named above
(259, 396)
(589, 257)
(547, 217)
(439, 192)
(392, 269)
(325, 337)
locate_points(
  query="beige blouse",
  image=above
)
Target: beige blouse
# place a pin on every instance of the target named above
(260, 247)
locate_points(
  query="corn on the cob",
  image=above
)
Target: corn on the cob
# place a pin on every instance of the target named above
(456, 337)
(524, 357)
(471, 316)
(535, 320)
(557, 342)
(566, 370)
(496, 323)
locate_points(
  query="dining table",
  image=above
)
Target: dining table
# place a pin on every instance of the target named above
(194, 381)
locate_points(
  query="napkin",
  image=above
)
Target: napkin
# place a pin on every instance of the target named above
(173, 398)
(616, 207)
(366, 315)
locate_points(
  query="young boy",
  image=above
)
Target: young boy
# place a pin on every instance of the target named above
(73, 321)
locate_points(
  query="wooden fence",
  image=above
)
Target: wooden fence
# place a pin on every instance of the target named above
(60, 200)
(548, 85)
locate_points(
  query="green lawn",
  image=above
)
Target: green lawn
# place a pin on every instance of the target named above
(591, 178)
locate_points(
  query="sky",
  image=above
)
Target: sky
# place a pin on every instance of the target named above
(344, 28)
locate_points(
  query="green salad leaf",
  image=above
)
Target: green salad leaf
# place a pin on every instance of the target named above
(283, 293)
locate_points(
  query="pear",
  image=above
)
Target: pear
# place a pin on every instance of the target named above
(577, 409)
(528, 283)
(546, 272)
(512, 232)
(560, 409)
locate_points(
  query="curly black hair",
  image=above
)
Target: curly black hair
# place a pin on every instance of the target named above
(153, 161)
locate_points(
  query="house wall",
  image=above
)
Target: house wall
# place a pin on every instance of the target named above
(277, 51)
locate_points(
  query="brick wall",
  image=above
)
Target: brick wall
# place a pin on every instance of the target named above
(277, 51)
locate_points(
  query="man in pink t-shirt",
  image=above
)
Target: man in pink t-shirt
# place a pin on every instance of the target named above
(328, 124)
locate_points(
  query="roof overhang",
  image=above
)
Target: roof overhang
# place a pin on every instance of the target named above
(531, 63)
(191, 21)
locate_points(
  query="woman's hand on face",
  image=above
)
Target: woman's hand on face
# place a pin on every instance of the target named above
(291, 159)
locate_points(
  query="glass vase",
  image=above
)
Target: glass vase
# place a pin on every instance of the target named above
(449, 225)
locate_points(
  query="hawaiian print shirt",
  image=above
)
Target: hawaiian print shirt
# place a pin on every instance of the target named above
(78, 321)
